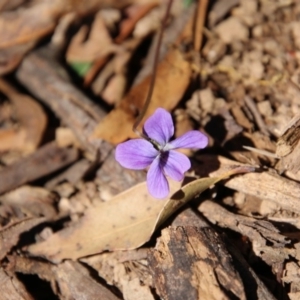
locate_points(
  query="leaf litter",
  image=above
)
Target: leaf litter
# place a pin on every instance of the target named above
(77, 93)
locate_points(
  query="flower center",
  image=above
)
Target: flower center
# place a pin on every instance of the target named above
(156, 145)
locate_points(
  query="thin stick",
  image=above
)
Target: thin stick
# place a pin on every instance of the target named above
(200, 22)
(152, 82)
(257, 116)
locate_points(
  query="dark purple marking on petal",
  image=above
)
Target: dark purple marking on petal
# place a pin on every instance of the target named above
(175, 165)
(192, 139)
(157, 183)
(159, 126)
(135, 154)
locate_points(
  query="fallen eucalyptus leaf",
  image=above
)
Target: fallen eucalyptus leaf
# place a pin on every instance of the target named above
(125, 222)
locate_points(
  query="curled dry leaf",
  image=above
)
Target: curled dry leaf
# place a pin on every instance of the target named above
(32, 120)
(125, 222)
(98, 44)
(173, 77)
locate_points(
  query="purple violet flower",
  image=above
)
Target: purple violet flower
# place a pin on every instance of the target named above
(158, 152)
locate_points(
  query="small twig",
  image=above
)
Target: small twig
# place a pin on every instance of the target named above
(258, 119)
(200, 22)
(152, 82)
(261, 152)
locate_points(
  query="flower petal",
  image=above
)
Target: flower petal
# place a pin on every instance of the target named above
(159, 126)
(135, 154)
(191, 139)
(157, 183)
(176, 165)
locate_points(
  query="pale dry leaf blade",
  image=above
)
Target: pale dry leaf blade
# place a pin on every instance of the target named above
(125, 222)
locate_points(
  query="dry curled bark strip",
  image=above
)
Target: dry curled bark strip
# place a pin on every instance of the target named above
(43, 76)
(44, 161)
(259, 231)
(265, 185)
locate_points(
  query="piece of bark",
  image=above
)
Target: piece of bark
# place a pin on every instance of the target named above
(44, 161)
(12, 288)
(73, 174)
(267, 242)
(256, 115)
(113, 268)
(255, 288)
(259, 231)
(73, 279)
(45, 78)
(69, 280)
(9, 235)
(265, 185)
(288, 147)
(30, 201)
(192, 263)
(289, 137)
(188, 217)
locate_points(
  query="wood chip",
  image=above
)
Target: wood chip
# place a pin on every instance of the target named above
(9, 235)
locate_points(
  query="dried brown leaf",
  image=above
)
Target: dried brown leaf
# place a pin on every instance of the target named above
(98, 43)
(32, 120)
(173, 77)
(125, 222)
